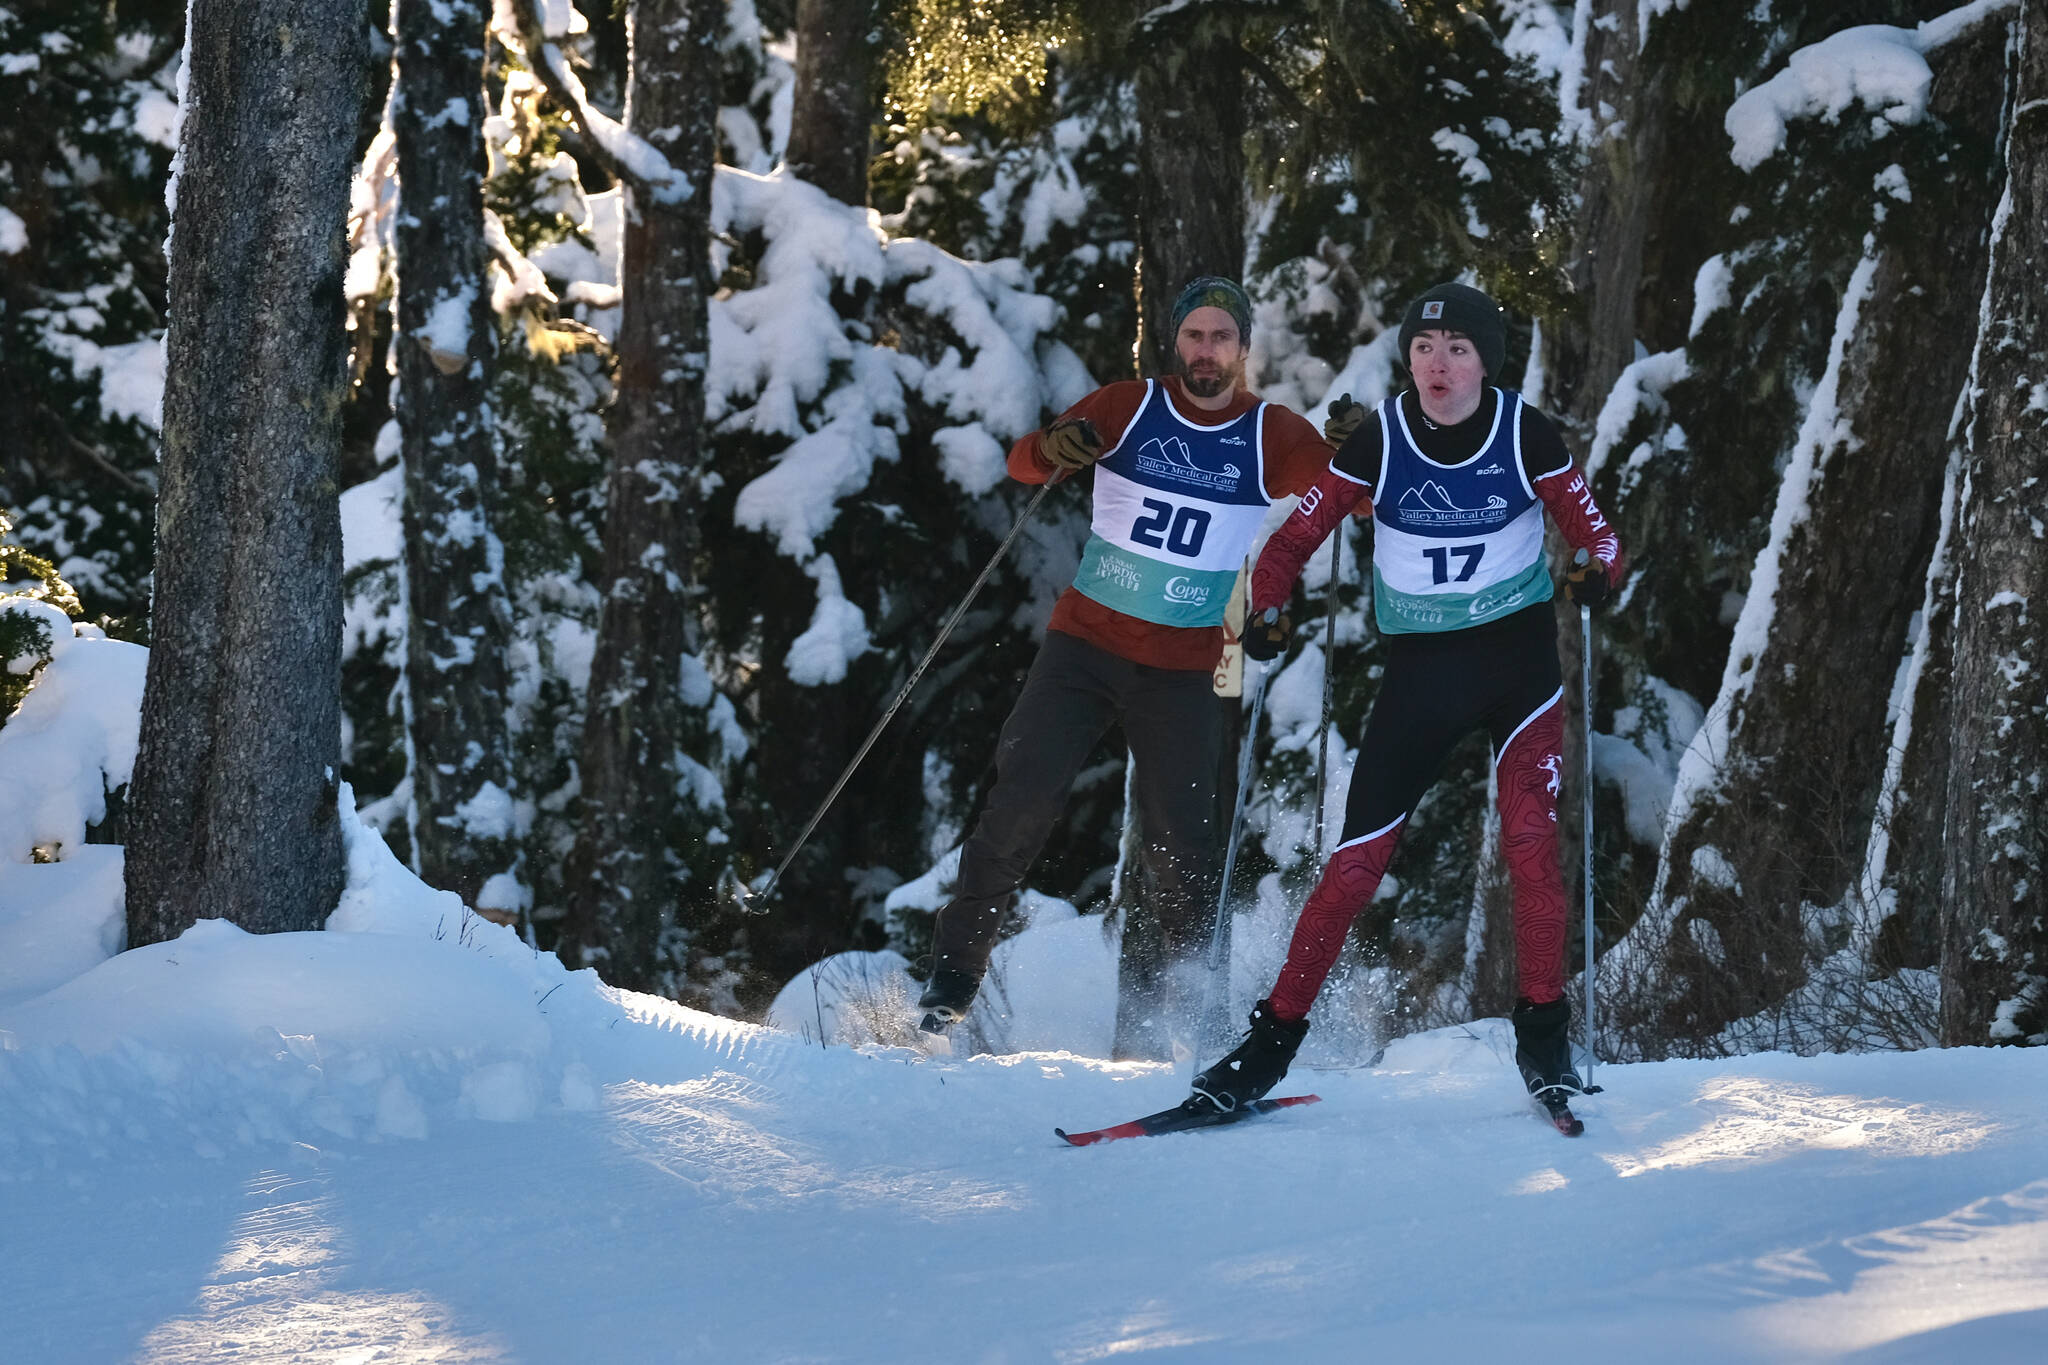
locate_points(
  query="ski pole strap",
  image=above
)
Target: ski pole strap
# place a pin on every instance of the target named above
(758, 904)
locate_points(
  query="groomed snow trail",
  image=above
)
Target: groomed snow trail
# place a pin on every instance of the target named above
(179, 1184)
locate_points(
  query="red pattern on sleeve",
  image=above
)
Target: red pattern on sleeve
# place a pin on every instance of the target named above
(1323, 507)
(1570, 502)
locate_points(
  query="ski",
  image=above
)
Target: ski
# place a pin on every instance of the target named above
(1183, 1117)
(1558, 1109)
(1556, 1104)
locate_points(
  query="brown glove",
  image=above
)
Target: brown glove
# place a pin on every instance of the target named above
(1345, 418)
(1070, 444)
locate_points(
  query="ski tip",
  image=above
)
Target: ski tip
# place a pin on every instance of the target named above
(1077, 1139)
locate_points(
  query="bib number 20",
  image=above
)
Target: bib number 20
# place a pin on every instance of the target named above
(1178, 532)
(1440, 562)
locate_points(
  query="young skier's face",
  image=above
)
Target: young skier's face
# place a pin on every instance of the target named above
(1211, 353)
(1448, 375)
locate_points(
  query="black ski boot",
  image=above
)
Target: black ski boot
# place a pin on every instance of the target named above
(1543, 1049)
(946, 997)
(1256, 1066)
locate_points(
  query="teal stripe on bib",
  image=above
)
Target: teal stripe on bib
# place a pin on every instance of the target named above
(1402, 613)
(1165, 594)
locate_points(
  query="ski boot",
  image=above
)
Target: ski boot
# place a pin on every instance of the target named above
(946, 998)
(1255, 1067)
(1543, 1049)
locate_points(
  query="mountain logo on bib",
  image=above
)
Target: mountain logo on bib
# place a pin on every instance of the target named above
(1429, 505)
(1169, 458)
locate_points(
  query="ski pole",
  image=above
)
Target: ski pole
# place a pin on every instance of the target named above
(1586, 706)
(756, 902)
(1218, 1003)
(1329, 676)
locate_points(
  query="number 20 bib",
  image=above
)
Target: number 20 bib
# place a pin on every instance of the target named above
(1455, 545)
(1176, 508)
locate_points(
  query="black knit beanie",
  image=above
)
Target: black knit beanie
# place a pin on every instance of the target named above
(1213, 291)
(1459, 308)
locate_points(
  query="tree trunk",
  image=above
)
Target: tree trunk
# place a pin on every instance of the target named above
(833, 102)
(1624, 104)
(1781, 822)
(232, 810)
(628, 865)
(458, 620)
(1994, 968)
(1191, 170)
(1901, 892)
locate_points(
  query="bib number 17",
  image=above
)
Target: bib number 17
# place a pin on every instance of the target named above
(1440, 561)
(1178, 532)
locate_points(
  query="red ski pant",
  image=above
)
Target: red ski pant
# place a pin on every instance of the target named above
(1503, 676)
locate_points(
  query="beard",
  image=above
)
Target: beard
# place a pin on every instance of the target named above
(1211, 379)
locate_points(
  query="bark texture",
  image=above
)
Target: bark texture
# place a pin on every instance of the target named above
(458, 621)
(1190, 167)
(1625, 104)
(1994, 969)
(232, 809)
(627, 869)
(1783, 823)
(833, 103)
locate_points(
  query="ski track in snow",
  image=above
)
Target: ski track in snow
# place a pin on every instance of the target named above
(747, 1197)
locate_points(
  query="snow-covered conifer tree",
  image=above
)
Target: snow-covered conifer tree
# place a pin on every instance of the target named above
(463, 823)
(90, 92)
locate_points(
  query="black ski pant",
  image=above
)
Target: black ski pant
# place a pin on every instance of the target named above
(1173, 722)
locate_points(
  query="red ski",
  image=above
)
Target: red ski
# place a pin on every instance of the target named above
(1189, 1114)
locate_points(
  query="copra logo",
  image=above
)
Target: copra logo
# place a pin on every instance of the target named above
(1179, 589)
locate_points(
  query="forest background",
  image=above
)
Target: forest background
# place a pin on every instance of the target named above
(614, 401)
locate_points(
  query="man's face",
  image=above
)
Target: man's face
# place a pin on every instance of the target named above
(1448, 374)
(1211, 352)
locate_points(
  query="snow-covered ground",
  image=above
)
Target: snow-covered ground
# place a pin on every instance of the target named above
(387, 1146)
(411, 1139)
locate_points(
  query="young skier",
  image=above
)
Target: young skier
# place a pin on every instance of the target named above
(1457, 475)
(1185, 468)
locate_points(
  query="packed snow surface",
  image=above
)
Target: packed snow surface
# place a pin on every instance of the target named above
(411, 1138)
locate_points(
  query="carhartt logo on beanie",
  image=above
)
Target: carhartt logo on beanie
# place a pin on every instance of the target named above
(1213, 291)
(1459, 308)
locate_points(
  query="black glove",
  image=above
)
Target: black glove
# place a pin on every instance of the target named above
(1345, 418)
(1265, 634)
(1586, 585)
(1070, 444)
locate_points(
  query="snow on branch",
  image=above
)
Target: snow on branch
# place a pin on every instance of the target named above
(625, 154)
(1877, 66)
(785, 362)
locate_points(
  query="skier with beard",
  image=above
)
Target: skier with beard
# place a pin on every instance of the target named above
(1185, 467)
(1457, 475)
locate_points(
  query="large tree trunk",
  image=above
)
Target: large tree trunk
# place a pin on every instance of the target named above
(1190, 169)
(1622, 111)
(458, 621)
(1775, 814)
(1994, 968)
(232, 810)
(833, 103)
(628, 869)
